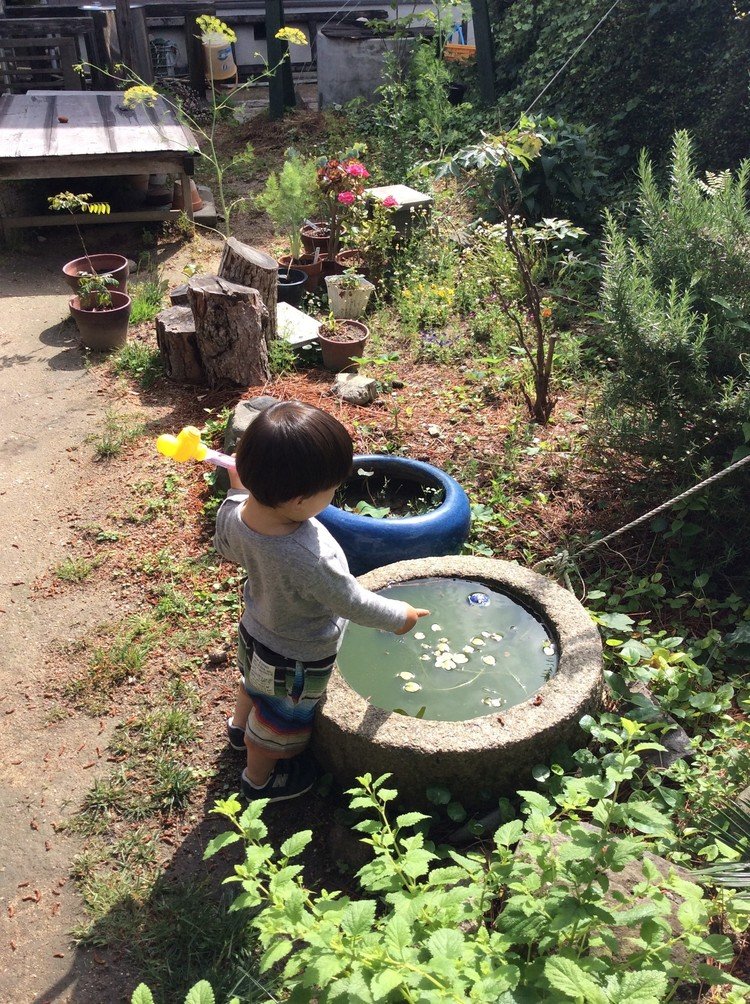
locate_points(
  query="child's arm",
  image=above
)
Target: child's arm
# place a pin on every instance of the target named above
(345, 597)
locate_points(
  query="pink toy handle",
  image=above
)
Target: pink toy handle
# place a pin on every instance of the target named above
(220, 460)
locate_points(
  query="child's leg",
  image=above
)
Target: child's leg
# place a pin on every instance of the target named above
(242, 706)
(260, 765)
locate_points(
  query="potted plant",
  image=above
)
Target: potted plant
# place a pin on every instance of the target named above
(394, 508)
(341, 342)
(341, 184)
(101, 313)
(288, 198)
(372, 239)
(348, 294)
(115, 265)
(291, 288)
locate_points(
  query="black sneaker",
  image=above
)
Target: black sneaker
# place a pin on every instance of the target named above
(289, 779)
(235, 735)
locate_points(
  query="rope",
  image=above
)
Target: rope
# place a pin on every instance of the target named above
(561, 562)
(570, 59)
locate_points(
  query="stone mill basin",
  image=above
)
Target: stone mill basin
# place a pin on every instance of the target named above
(507, 729)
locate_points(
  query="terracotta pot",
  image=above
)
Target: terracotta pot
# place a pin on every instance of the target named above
(103, 330)
(179, 203)
(337, 355)
(317, 237)
(101, 264)
(331, 267)
(291, 287)
(354, 258)
(312, 269)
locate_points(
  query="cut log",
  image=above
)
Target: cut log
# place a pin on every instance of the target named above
(229, 321)
(175, 336)
(249, 266)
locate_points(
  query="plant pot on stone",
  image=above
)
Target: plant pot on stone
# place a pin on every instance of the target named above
(348, 294)
(115, 265)
(341, 342)
(288, 198)
(101, 313)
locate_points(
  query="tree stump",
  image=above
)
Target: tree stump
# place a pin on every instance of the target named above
(249, 266)
(229, 331)
(175, 336)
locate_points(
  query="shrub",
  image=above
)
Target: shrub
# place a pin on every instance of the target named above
(677, 299)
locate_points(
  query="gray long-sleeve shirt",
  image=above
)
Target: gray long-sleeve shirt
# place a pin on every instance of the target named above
(299, 593)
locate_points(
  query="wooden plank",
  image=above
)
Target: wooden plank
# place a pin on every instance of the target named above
(136, 216)
(30, 26)
(93, 167)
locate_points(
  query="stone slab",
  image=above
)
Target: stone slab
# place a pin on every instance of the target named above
(355, 388)
(407, 198)
(295, 326)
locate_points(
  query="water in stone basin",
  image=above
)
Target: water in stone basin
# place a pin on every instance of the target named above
(478, 652)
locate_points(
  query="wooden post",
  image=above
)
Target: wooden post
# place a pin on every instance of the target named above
(281, 85)
(133, 38)
(229, 331)
(485, 52)
(250, 267)
(194, 48)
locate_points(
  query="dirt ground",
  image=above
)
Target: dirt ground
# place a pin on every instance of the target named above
(51, 401)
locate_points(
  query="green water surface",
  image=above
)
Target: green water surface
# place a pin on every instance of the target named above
(488, 657)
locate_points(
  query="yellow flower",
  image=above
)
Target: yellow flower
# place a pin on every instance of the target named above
(141, 94)
(213, 26)
(292, 35)
(406, 292)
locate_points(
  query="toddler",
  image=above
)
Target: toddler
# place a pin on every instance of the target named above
(299, 594)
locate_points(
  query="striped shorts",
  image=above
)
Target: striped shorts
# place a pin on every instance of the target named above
(284, 693)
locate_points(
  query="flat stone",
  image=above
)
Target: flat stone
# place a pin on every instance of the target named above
(295, 326)
(355, 388)
(493, 752)
(407, 198)
(242, 418)
(676, 741)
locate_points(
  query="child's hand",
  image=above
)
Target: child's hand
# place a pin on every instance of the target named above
(412, 616)
(234, 480)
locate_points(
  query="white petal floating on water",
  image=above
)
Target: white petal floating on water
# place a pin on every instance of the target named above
(489, 659)
(405, 676)
(460, 659)
(424, 645)
(549, 650)
(411, 687)
(485, 634)
(443, 641)
(426, 658)
(419, 635)
(478, 642)
(496, 637)
(442, 646)
(435, 627)
(493, 702)
(468, 649)
(445, 661)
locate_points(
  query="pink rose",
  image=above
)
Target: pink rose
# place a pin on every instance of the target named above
(357, 170)
(389, 202)
(346, 198)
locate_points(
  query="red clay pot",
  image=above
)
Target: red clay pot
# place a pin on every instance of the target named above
(103, 330)
(101, 264)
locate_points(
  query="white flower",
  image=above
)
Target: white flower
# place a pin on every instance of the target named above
(436, 627)
(493, 702)
(445, 661)
(478, 642)
(485, 634)
(489, 659)
(460, 659)
(411, 687)
(419, 636)
(426, 658)
(468, 649)
(405, 676)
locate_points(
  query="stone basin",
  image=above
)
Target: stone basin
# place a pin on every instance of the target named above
(494, 753)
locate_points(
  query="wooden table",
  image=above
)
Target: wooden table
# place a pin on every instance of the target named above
(100, 138)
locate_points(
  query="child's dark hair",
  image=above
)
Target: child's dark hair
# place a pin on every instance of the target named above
(293, 450)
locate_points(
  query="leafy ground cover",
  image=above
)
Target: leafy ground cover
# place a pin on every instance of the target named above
(451, 374)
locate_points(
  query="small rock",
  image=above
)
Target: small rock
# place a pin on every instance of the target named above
(434, 430)
(355, 388)
(217, 657)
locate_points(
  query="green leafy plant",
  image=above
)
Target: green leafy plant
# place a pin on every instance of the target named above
(531, 920)
(71, 203)
(290, 196)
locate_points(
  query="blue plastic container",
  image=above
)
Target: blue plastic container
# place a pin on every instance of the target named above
(369, 543)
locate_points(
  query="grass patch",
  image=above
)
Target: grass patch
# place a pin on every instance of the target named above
(76, 569)
(119, 430)
(112, 662)
(147, 299)
(139, 361)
